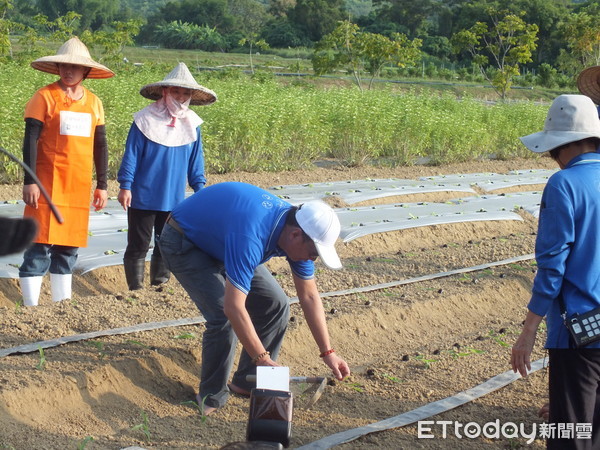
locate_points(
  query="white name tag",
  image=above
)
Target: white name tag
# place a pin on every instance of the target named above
(75, 124)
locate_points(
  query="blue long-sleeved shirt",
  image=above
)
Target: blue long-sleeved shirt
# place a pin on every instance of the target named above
(156, 175)
(567, 248)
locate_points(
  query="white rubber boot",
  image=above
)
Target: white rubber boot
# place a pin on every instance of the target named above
(30, 288)
(61, 286)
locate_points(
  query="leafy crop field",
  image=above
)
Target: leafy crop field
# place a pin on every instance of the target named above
(260, 124)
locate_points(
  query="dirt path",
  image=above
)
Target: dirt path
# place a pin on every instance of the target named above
(407, 346)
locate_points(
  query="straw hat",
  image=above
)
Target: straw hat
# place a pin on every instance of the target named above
(571, 118)
(180, 76)
(588, 83)
(72, 52)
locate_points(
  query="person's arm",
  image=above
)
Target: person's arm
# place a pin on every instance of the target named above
(521, 351)
(234, 307)
(101, 164)
(128, 167)
(31, 191)
(312, 307)
(196, 176)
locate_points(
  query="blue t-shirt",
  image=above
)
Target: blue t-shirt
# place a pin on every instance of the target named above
(156, 175)
(238, 224)
(567, 247)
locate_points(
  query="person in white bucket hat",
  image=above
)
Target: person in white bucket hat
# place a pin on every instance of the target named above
(566, 284)
(215, 243)
(64, 139)
(163, 150)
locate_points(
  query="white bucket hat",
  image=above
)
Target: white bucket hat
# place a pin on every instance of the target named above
(72, 52)
(322, 225)
(180, 76)
(571, 118)
(588, 83)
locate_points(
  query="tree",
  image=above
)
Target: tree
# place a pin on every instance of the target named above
(6, 28)
(582, 36)
(316, 18)
(94, 13)
(507, 43)
(357, 51)
(114, 41)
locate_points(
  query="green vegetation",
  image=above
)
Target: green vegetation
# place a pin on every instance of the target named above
(265, 125)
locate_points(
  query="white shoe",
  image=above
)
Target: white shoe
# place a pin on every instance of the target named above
(30, 289)
(61, 286)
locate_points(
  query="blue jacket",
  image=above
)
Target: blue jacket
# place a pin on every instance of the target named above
(567, 248)
(156, 175)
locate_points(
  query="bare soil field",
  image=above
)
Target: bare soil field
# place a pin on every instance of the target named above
(407, 346)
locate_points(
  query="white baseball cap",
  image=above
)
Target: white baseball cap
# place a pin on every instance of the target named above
(571, 118)
(322, 225)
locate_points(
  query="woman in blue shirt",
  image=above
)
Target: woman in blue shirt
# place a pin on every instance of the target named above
(163, 150)
(567, 252)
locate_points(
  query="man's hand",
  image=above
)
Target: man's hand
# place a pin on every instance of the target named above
(338, 366)
(124, 198)
(100, 199)
(31, 195)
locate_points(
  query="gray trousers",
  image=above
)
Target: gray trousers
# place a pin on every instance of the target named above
(203, 278)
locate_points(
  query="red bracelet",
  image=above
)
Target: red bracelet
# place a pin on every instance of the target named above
(328, 352)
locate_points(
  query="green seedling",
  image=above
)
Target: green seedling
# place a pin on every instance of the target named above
(498, 338)
(19, 306)
(385, 260)
(517, 267)
(143, 426)
(392, 378)
(41, 365)
(356, 386)
(7, 446)
(412, 216)
(110, 252)
(122, 230)
(99, 346)
(84, 442)
(133, 342)
(198, 406)
(131, 300)
(468, 351)
(185, 336)
(425, 361)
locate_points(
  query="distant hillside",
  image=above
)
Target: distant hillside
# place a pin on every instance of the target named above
(145, 8)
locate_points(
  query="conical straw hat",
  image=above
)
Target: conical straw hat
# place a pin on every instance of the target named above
(180, 76)
(72, 52)
(588, 83)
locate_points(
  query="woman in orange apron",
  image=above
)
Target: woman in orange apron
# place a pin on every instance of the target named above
(64, 138)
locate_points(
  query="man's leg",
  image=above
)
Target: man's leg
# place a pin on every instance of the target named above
(574, 380)
(269, 309)
(203, 278)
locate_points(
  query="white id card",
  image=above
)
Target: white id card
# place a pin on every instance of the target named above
(75, 124)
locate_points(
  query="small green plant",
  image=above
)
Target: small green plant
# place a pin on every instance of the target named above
(185, 336)
(199, 407)
(41, 365)
(355, 386)
(133, 342)
(425, 360)
(99, 346)
(84, 442)
(392, 378)
(468, 351)
(143, 426)
(19, 306)
(498, 338)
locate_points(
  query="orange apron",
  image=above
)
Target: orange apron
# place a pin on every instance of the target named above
(64, 164)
